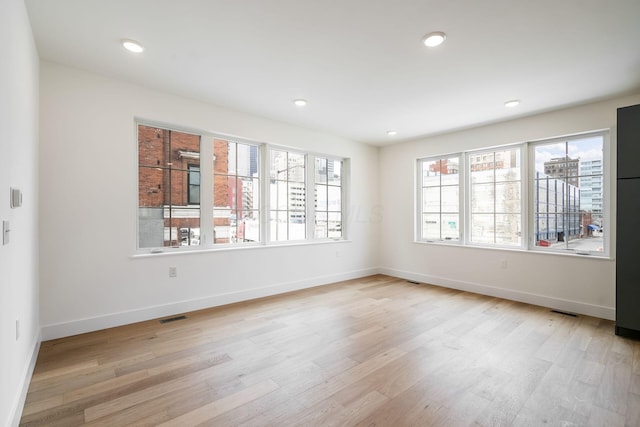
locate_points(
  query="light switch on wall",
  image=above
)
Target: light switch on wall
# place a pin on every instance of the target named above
(5, 232)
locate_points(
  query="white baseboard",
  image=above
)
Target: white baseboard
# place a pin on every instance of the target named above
(81, 326)
(576, 307)
(26, 381)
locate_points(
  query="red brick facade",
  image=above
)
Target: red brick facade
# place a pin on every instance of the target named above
(165, 158)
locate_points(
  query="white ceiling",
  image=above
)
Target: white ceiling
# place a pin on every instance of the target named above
(360, 63)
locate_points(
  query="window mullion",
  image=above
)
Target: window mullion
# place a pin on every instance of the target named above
(310, 213)
(206, 190)
(264, 172)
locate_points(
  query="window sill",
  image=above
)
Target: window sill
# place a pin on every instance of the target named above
(602, 257)
(229, 248)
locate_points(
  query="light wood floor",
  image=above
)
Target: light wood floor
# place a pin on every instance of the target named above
(376, 351)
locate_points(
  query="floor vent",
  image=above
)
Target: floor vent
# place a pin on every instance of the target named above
(564, 313)
(172, 319)
(415, 283)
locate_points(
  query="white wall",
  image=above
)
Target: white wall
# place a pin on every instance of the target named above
(89, 279)
(18, 168)
(579, 284)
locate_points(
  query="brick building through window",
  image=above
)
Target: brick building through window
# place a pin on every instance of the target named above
(169, 187)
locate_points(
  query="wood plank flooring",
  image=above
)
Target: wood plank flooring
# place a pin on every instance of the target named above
(376, 351)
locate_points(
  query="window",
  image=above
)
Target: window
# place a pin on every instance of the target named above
(194, 184)
(495, 200)
(567, 187)
(301, 199)
(328, 198)
(288, 196)
(164, 215)
(558, 196)
(236, 192)
(439, 196)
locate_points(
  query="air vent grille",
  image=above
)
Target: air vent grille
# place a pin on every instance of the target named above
(172, 319)
(564, 313)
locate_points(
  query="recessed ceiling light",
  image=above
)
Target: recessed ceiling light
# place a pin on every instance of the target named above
(512, 103)
(300, 102)
(434, 39)
(392, 132)
(132, 46)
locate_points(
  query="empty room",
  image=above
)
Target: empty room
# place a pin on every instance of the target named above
(292, 212)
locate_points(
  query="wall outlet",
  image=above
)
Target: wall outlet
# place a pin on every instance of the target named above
(338, 254)
(503, 264)
(17, 329)
(173, 272)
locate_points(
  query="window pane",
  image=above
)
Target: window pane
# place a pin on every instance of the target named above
(296, 167)
(246, 160)
(194, 184)
(297, 195)
(249, 227)
(278, 165)
(150, 191)
(450, 199)
(482, 167)
(278, 225)
(507, 165)
(439, 198)
(508, 229)
(321, 171)
(297, 225)
(288, 193)
(431, 226)
(222, 225)
(482, 228)
(328, 198)
(568, 194)
(236, 189)
(431, 173)
(221, 194)
(194, 195)
(335, 199)
(150, 146)
(450, 168)
(321, 197)
(230, 159)
(171, 187)
(334, 172)
(275, 195)
(321, 225)
(249, 189)
(495, 189)
(508, 197)
(450, 227)
(168, 182)
(482, 198)
(335, 225)
(220, 156)
(431, 199)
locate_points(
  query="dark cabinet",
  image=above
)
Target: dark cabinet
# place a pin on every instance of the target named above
(628, 223)
(629, 142)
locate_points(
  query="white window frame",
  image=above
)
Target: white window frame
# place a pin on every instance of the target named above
(527, 153)
(270, 239)
(343, 194)
(461, 198)
(310, 160)
(523, 196)
(606, 193)
(206, 192)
